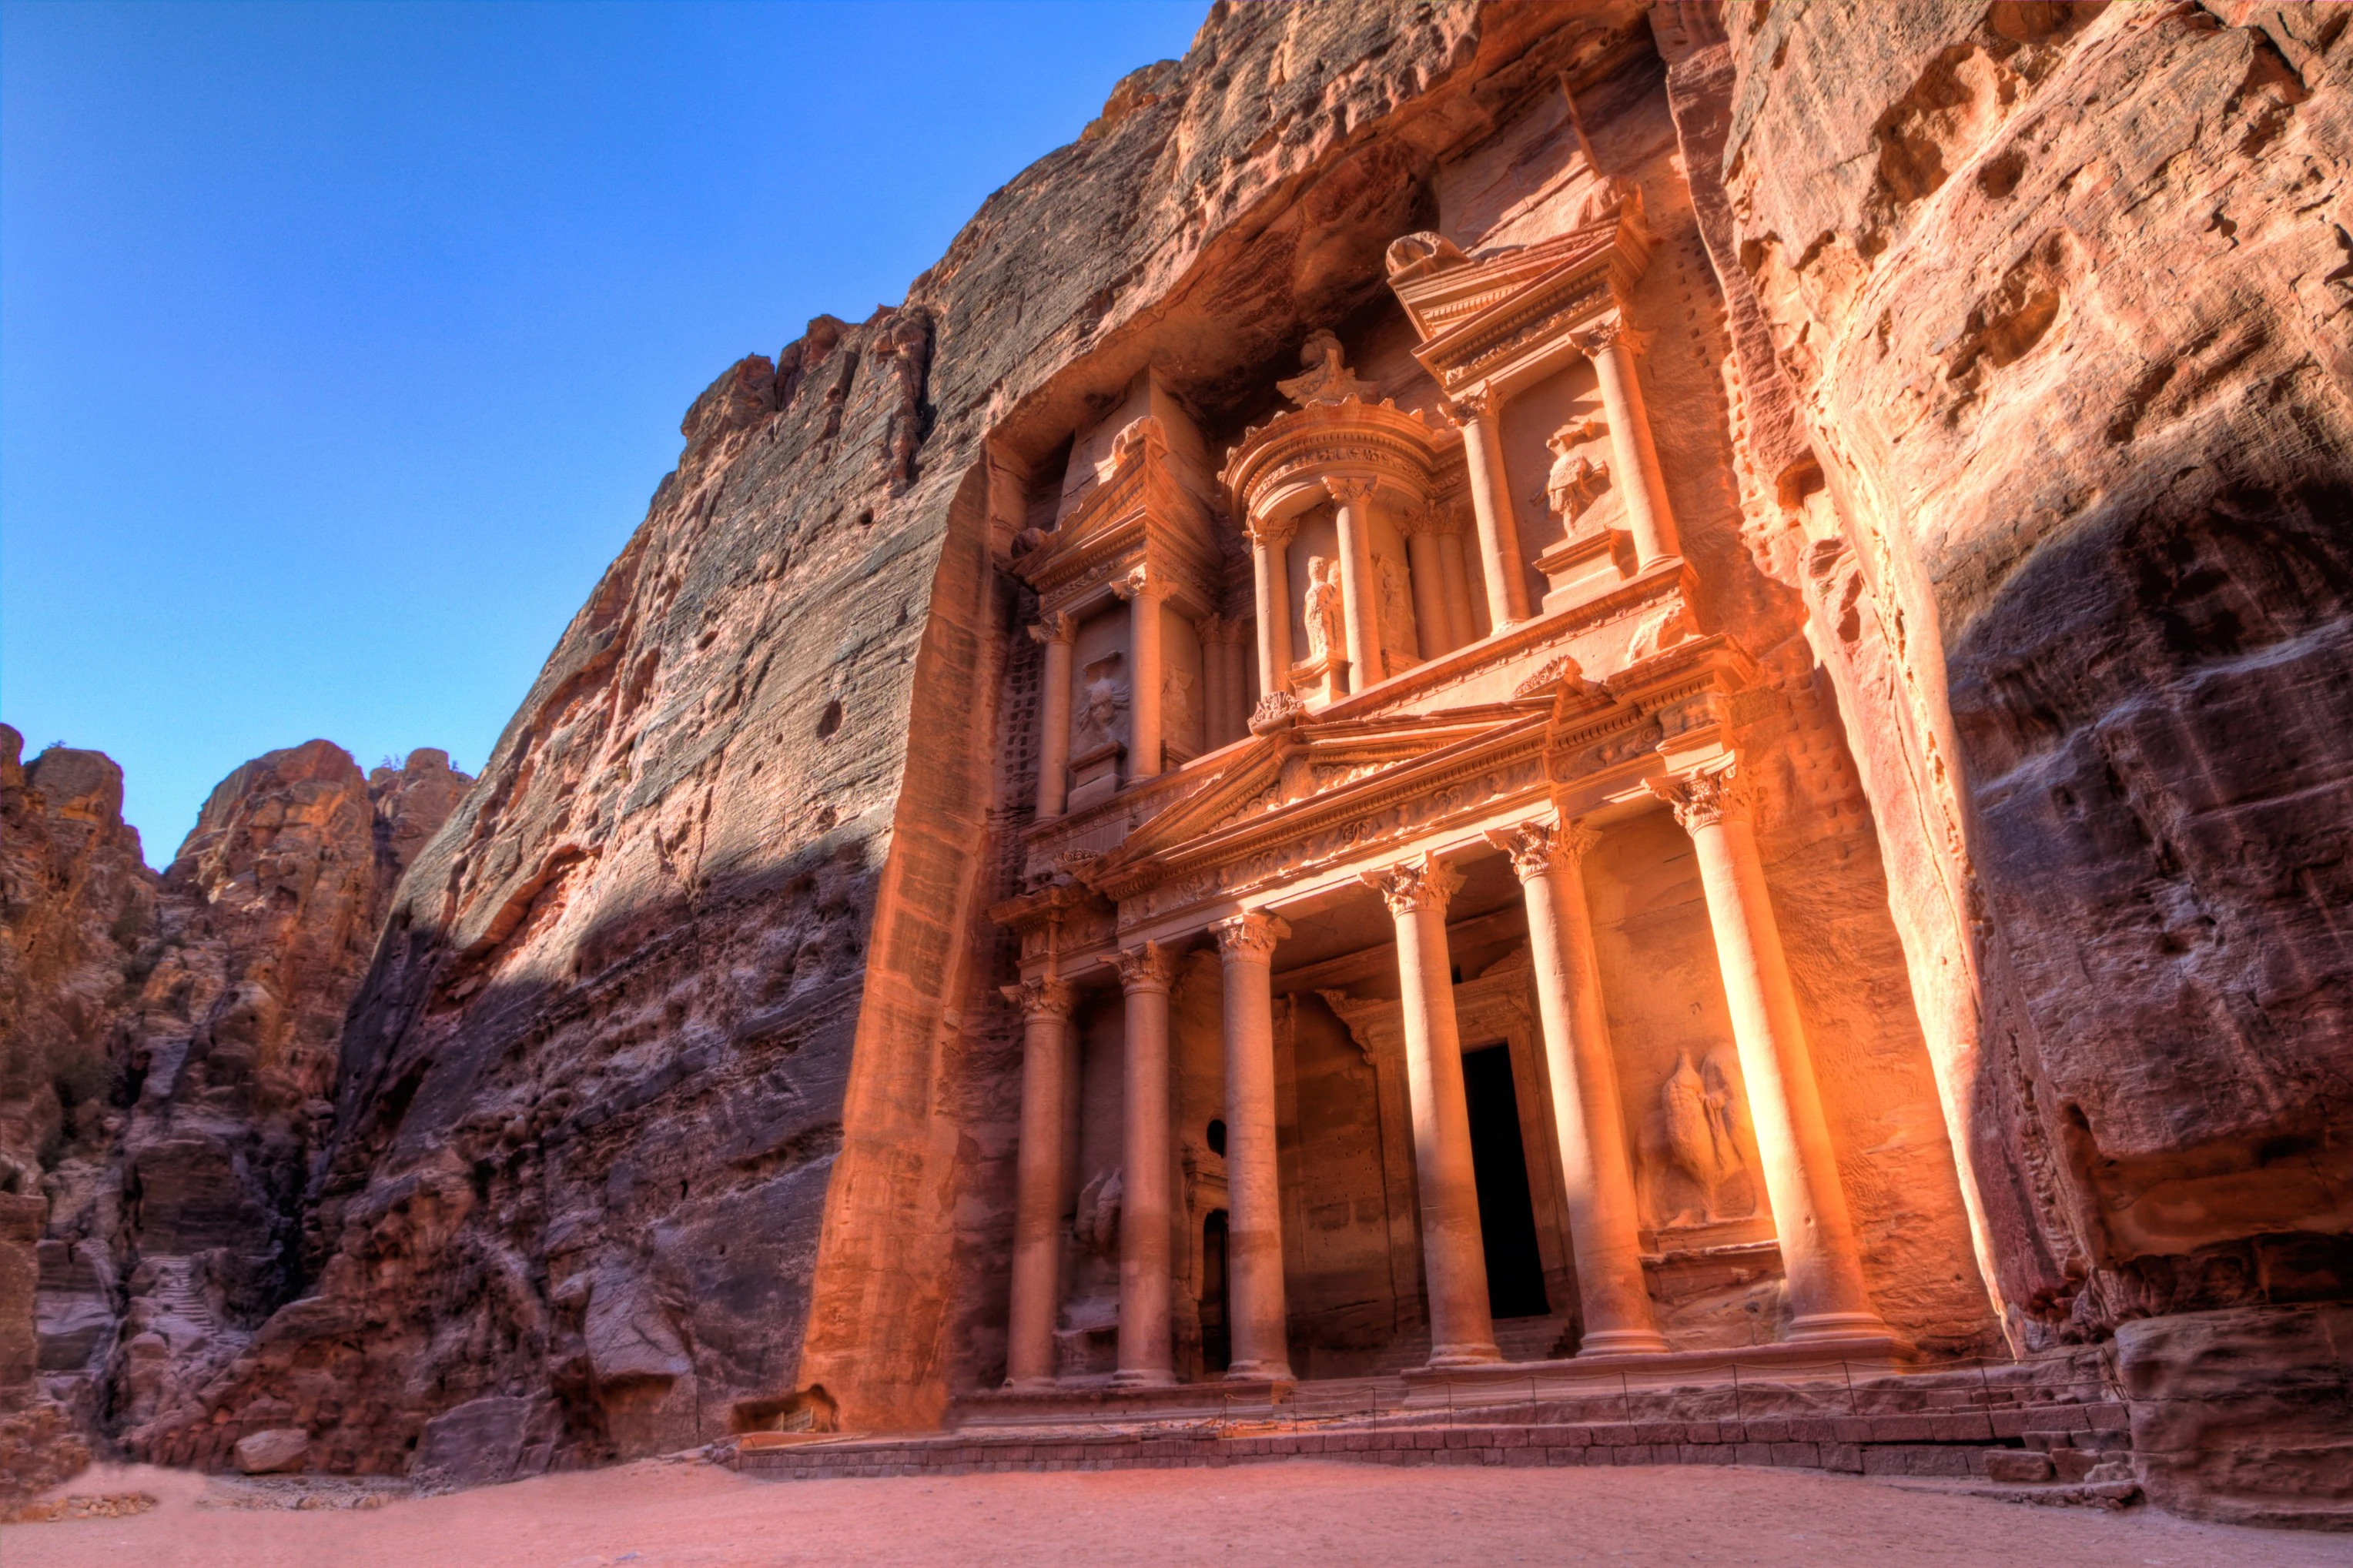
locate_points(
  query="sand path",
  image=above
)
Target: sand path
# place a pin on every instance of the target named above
(658, 1514)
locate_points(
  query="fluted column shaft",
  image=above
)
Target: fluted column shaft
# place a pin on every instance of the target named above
(1491, 504)
(1818, 1256)
(1143, 628)
(1453, 1255)
(1037, 1182)
(1056, 633)
(1648, 515)
(1430, 622)
(1360, 597)
(1271, 569)
(1597, 1176)
(1253, 1194)
(1145, 1356)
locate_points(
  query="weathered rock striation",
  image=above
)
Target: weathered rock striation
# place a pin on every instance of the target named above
(1931, 508)
(171, 1042)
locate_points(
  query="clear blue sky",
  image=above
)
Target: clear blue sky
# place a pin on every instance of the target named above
(341, 346)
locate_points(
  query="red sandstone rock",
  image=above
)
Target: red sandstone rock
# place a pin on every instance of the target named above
(1997, 362)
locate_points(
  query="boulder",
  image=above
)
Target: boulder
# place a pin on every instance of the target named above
(277, 1451)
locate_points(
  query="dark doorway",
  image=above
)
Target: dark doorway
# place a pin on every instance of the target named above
(1507, 1219)
(1217, 1334)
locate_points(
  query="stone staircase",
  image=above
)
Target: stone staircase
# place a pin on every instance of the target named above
(2052, 1430)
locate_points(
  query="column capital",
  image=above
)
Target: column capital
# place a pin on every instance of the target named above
(1480, 402)
(1141, 583)
(1540, 849)
(1349, 490)
(1608, 333)
(1061, 627)
(1269, 532)
(1044, 997)
(1251, 935)
(1412, 885)
(1706, 796)
(1147, 968)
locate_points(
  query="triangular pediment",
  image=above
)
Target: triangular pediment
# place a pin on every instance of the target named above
(1312, 761)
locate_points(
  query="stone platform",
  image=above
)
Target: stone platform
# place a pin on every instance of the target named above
(2050, 1431)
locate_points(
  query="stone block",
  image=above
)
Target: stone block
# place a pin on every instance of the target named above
(277, 1451)
(2015, 1465)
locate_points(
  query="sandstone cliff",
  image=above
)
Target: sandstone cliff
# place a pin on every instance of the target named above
(2043, 311)
(170, 1041)
(674, 1101)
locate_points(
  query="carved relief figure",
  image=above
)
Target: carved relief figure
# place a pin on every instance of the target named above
(1326, 637)
(1096, 1223)
(1697, 1115)
(1576, 479)
(1101, 715)
(1177, 718)
(1328, 378)
(1398, 640)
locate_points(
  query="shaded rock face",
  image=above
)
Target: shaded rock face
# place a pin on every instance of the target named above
(2047, 308)
(177, 1038)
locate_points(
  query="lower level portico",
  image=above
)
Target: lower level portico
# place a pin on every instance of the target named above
(1539, 1060)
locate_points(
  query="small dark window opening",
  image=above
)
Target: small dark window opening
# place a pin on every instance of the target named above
(831, 721)
(1217, 1136)
(866, 518)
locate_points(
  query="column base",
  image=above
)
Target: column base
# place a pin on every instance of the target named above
(1622, 1342)
(1836, 1326)
(1259, 1372)
(1031, 1385)
(1444, 1356)
(1140, 1377)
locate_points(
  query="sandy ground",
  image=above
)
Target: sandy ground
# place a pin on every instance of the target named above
(655, 1514)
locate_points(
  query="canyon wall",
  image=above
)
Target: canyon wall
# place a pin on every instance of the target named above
(170, 1043)
(2047, 346)
(676, 1100)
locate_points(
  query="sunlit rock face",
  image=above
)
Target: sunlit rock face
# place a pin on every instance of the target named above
(2062, 318)
(1673, 678)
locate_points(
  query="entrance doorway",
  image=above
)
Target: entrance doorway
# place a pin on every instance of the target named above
(1507, 1216)
(1217, 1331)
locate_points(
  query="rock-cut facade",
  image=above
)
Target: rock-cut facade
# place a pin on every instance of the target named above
(1635, 685)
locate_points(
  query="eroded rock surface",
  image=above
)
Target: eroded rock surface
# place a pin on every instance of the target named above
(2007, 403)
(174, 1045)
(2058, 300)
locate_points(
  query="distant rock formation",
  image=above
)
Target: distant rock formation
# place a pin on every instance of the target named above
(171, 1042)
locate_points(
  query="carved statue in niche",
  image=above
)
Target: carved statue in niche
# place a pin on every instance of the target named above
(1101, 715)
(1326, 636)
(1096, 1223)
(1328, 378)
(1702, 1142)
(1398, 641)
(1576, 479)
(1176, 705)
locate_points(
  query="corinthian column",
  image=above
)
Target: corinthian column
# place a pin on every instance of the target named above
(1360, 595)
(1481, 415)
(1793, 1140)
(1037, 1182)
(1610, 348)
(1253, 1196)
(1604, 1224)
(1143, 593)
(1146, 1358)
(1453, 1256)
(1272, 570)
(1056, 633)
